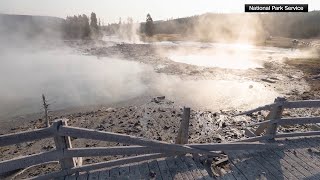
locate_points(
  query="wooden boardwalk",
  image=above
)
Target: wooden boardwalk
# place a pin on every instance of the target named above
(179, 167)
(299, 158)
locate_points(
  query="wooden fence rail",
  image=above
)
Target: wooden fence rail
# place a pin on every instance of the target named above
(142, 148)
(65, 154)
(274, 119)
(126, 139)
(289, 121)
(285, 104)
(10, 139)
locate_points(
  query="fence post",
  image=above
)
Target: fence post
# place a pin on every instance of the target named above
(62, 143)
(276, 113)
(183, 134)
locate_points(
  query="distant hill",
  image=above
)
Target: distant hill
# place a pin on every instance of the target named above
(251, 26)
(27, 26)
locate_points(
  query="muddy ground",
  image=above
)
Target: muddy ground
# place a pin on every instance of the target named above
(159, 118)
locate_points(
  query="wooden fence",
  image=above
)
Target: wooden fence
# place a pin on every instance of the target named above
(141, 148)
(274, 119)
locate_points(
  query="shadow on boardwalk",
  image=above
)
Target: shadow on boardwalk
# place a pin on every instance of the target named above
(166, 168)
(298, 159)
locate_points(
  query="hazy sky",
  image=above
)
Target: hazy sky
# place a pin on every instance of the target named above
(111, 10)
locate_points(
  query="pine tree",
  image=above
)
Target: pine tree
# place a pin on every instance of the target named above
(149, 26)
(94, 21)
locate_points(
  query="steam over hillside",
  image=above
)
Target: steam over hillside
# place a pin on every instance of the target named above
(237, 27)
(15, 27)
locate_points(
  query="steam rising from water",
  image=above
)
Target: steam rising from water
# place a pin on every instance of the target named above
(231, 56)
(215, 94)
(69, 79)
(219, 60)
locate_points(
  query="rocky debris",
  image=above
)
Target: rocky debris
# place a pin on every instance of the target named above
(158, 99)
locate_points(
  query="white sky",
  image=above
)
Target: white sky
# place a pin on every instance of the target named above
(111, 10)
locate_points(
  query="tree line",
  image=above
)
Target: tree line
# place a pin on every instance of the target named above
(216, 27)
(80, 27)
(213, 26)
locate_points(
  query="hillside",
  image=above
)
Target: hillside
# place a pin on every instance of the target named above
(27, 26)
(242, 26)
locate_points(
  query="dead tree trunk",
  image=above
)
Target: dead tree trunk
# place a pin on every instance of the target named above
(45, 106)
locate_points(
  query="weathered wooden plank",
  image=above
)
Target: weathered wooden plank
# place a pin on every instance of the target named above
(154, 170)
(183, 133)
(134, 171)
(109, 151)
(265, 107)
(253, 139)
(164, 170)
(312, 141)
(124, 170)
(93, 176)
(248, 132)
(266, 122)
(101, 165)
(250, 167)
(173, 169)
(302, 104)
(26, 161)
(234, 146)
(114, 172)
(192, 167)
(123, 178)
(203, 171)
(73, 177)
(313, 149)
(183, 169)
(283, 166)
(227, 176)
(309, 167)
(303, 158)
(297, 134)
(236, 172)
(121, 138)
(83, 176)
(275, 113)
(104, 174)
(15, 138)
(287, 157)
(144, 170)
(300, 120)
(63, 143)
(290, 121)
(268, 166)
(262, 127)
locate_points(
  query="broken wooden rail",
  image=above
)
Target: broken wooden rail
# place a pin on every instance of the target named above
(143, 149)
(274, 119)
